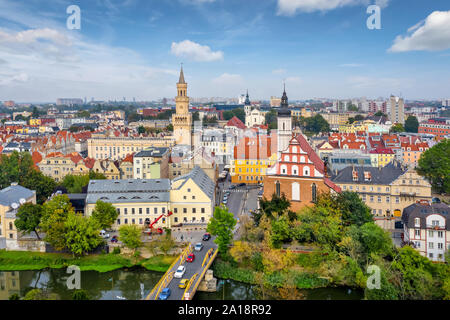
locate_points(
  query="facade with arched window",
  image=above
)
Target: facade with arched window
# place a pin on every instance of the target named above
(299, 174)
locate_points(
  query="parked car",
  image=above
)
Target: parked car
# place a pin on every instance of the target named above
(183, 283)
(104, 235)
(206, 237)
(165, 294)
(241, 185)
(232, 187)
(190, 258)
(198, 246)
(180, 272)
(114, 239)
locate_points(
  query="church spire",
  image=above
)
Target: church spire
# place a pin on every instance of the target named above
(284, 98)
(181, 81)
(247, 100)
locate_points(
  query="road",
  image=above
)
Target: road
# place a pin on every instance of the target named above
(191, 269)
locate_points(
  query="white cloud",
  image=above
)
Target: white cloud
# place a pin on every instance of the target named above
(279, 71)
(291, 7)
(227, 78)
(433, 34)
(195, 52)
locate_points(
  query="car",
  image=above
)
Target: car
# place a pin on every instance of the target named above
(114, 239)
(225, 201)
(190, 258)
(241, 185)
(180, 272)
(435, 200)
(104, 235)
(198, 246)
(183, 284)
(232, 187)
(165, 294)
(206, 237)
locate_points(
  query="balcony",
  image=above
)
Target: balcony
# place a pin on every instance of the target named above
(435, 227)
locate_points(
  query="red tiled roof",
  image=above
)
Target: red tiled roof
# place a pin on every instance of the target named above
(236, 122)
(35, 156)
(382, 151)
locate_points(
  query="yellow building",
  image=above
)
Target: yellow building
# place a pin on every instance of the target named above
(357, 126)
(252, 158)
(380, 157)
(189, 198)
(192, 198)
(119, 148)
(108, 168)
(182, 119)
(35, 122)
(386, 190)
(11, 198)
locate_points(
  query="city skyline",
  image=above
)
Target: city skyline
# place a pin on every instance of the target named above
(134, 48)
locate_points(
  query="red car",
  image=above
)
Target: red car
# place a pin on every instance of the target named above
(190, 258)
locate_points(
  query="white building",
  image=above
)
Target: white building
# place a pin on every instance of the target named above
(427, 228)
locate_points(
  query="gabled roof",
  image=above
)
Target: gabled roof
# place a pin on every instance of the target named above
(201, 179)
(236, 122)
(384, 176)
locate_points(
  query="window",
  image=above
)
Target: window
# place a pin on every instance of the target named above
(440, 234)
(430, 245)
(314, 192)
(184, 210)
(133, 211)
(203, 210)
(440, 245)
(194, 210)
(295, 191)
(430, 233)
(155, 210)
(140, 211)
(147, 210)
(278, 188)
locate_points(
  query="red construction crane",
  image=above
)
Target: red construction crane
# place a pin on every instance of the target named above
(159, 230)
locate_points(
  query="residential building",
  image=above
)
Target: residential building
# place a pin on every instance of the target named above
(380, 157)
(427, 227)
(151, 163)
(397, 111)
(299, 174)
(11, 198)
(126, 167)
(439, 127)
(118, 148)
(108, 168)
(386, 190)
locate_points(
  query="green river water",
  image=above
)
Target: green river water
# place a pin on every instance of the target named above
(135, 284)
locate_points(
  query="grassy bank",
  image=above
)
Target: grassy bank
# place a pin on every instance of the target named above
(20, 261)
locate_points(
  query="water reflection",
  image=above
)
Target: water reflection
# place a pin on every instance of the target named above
(135, 284)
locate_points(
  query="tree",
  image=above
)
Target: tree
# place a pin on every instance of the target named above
(39, 294)
(315, 125)
(169, 128)
(105, 214)
(221, 225)
(54, 216)
(434, 164)
(76, 184)
(167, 243)
(396, 128)
(353, 209)
(277, 206)
(28, 218)
(19, 167)
(80, 295)
(380, 114)
(412, 124)
(359, 117)
(83, 114)
(82, 234)
(130, 235)
(141, 130)
(352, 107)
(272, 119)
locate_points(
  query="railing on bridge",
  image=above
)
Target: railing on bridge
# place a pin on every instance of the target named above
(209, 259)
(168, 276)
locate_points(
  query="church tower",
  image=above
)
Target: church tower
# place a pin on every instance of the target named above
(182, 119)
(284, 132)
(247, 105)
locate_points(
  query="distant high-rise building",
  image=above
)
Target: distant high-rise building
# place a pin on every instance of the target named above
(446, 102)
(68, 101)
(241, 99)
(397, 112)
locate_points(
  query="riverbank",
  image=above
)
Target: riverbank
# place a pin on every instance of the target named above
(20, 261)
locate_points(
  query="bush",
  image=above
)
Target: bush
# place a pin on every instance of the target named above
(80, 295)
(116, 250)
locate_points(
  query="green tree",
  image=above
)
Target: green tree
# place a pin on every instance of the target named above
(141, 130)
(272, 208)
(14, 296)
(167, 243)
(80, 295)
(221, 225)
(281, 232)
(359, 117)
(19, 167)
(39, 294)
(105, 214)
(396, 128)
(353, 108)
(54, 217)
(434, 164)
(75, 184)
(271, 119)
(412, 124)
(353, 209)
(83, 114)
(28, 218)
(315, 125)
(130, 235)
(82, 234)
(380, 114)
(169, 128)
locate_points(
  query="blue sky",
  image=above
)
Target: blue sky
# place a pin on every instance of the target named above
(133, 48)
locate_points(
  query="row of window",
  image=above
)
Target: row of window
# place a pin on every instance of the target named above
(140, 210)
(141, 220)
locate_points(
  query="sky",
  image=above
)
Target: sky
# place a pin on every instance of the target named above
(134, 48)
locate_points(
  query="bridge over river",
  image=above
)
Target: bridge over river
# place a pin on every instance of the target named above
(195, 272)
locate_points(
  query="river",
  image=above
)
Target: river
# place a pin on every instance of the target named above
(135, 284)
